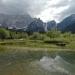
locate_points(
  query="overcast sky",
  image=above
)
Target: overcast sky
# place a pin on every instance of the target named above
(45, 9)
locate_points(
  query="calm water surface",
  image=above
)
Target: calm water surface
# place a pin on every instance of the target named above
(37, 63)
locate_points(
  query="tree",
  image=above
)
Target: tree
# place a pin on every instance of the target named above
(37, 36)
(54, 33)
(4, 34)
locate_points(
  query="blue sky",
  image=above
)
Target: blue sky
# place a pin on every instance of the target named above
(45, 9)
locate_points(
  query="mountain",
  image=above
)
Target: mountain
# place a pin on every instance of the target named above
(67, 24)
(21, 23)
(25, 23)
(16, 21)
(51, 25)
(36, 26)
(70, 28)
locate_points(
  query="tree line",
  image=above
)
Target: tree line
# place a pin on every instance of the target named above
(11, 34)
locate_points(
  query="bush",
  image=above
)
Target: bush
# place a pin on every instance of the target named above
(13, 35)
(54, 34)
(23, 35)
(37, 36)
(67, 35)
(18, 35)
(4, 34)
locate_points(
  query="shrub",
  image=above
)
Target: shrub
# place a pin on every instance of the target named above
(4, 34)
(37, 36)
(53, 34)
(67, 35)
(23, 35)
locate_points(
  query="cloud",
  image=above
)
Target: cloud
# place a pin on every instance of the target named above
(55, 10)
(32, 7)
(45, 9)
(69, 11)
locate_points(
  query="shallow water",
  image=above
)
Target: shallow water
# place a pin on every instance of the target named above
(37, 63)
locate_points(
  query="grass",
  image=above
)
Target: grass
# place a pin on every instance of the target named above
(26, 44)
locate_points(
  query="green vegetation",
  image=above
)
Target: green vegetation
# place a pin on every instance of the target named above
(4, 34)
(54, 34)
(37, 41)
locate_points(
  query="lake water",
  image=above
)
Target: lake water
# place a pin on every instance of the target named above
(37, 63)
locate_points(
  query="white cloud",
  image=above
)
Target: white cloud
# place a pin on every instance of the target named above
(45, 9)
(33, 7)
(52, 10)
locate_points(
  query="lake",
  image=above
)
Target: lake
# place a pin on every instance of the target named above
(37, 63)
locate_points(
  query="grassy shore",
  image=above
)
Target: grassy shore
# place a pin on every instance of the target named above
(51, 40)
(26, 44)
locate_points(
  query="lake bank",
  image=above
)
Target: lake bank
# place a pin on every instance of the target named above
(34, 45)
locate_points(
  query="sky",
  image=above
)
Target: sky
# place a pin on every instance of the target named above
(46, 10)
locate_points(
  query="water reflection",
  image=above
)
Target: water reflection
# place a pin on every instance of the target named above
(37, 63)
